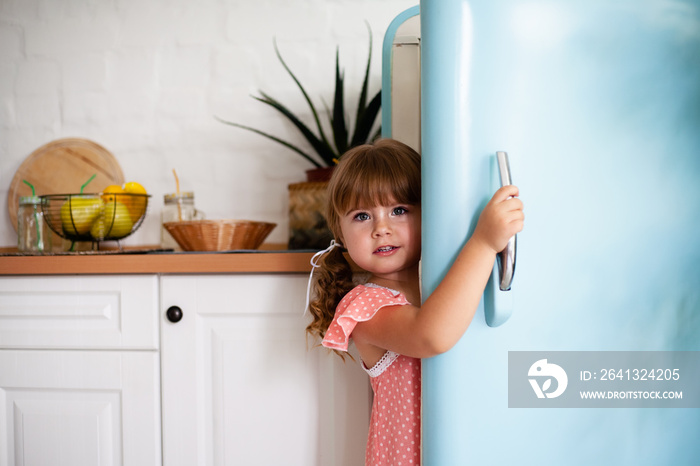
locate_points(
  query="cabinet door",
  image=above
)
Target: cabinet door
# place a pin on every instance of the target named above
(241, 384)
(79, 312)
(79, 408)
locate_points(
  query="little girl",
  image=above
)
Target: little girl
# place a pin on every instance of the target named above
(374, 212)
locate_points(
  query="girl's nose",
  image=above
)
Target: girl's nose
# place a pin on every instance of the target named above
(381, 228)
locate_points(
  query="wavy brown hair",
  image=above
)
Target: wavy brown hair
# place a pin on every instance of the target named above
(382, 173)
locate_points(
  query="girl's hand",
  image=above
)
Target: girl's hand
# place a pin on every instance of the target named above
(502, 218)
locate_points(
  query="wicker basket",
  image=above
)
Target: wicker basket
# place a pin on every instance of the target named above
(219, 235)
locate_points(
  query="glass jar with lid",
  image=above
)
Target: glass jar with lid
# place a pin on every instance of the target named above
(33, 233)
(177, 207)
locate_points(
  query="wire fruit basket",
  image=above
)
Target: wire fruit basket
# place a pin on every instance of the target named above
(219, 235)
(94, 217)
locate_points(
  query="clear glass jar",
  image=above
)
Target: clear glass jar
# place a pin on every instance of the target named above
(33, 233)
(177, 207)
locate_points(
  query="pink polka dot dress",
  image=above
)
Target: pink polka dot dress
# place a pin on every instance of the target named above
(394, 431)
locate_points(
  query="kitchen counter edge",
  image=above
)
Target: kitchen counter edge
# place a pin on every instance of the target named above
(162, 263)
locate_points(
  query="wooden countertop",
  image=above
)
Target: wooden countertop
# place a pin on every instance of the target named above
(136, 261)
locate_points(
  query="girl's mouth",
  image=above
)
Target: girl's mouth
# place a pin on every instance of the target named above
(385, 250)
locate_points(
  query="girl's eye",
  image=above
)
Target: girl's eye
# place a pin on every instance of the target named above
(399, 211)
(362, 216)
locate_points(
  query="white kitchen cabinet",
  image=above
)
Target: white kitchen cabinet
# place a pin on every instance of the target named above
(242, 386)
(89, 363)
(79, 371)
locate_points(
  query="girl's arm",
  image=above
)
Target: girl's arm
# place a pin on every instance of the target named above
(440, 322)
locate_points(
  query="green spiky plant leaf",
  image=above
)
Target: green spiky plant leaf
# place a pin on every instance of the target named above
(326, 153)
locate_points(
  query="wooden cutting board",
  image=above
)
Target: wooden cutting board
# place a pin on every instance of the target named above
(62, 167)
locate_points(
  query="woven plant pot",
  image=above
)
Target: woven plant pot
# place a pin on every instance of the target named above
(319, 174)
(307, 224)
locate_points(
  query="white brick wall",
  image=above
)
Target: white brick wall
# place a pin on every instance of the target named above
(144, 78)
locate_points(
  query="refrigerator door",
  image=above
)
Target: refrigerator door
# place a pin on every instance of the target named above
(597, 104)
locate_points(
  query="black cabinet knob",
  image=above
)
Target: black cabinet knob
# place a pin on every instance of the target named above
(174, 314)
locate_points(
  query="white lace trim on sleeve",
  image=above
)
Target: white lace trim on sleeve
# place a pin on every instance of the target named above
(383, 364)
(374, 285)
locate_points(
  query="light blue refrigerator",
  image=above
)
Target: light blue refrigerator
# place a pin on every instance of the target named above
(597, 104)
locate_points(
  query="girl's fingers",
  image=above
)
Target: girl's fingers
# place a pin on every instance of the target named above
(505, 192)
(512, 204)
(502, 218)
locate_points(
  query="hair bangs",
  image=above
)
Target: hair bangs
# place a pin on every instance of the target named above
(381, 188)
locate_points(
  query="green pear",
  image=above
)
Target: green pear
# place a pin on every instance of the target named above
(79, 212)
(114, 222)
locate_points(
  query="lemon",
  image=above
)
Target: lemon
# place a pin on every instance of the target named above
(134, 187)
(114, 223)
(78, 213)
(135, 204)
(111, 189)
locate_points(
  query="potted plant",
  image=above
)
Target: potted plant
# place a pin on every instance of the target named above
(326, 150)
(307, 224)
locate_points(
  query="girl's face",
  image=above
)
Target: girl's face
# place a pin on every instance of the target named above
(384, 240)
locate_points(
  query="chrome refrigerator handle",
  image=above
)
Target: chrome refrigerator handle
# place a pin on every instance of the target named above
(506, 258)
(498, 299)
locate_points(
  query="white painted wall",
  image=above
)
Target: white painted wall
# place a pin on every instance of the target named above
(144, 78)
